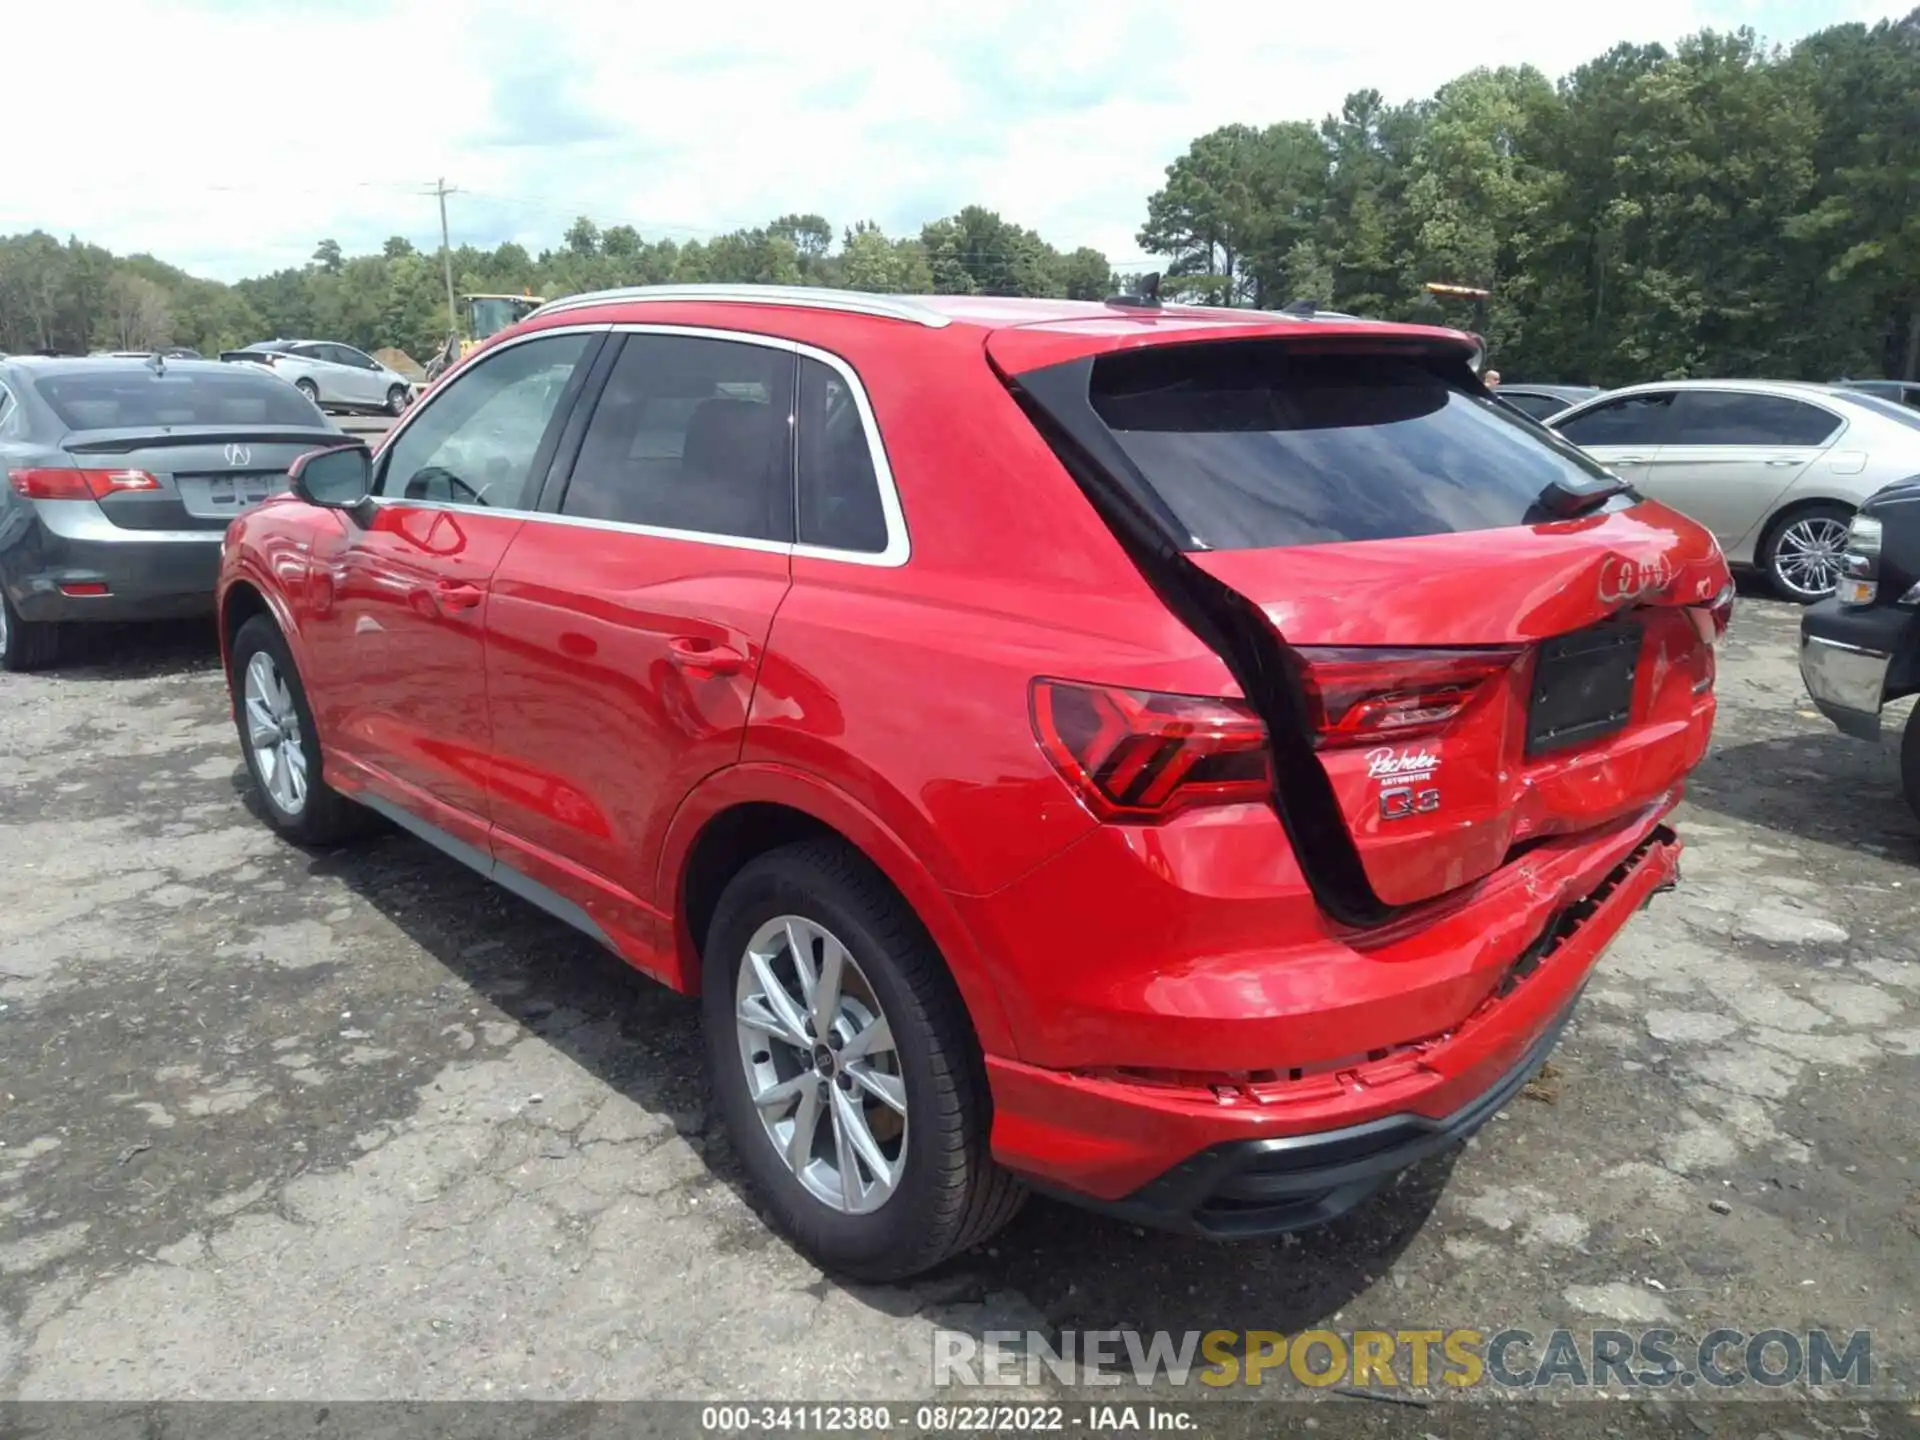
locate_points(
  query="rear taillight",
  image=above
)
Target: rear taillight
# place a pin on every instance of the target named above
(1362, 696)
(1710, 621)
(1139, 755)
(40, 484)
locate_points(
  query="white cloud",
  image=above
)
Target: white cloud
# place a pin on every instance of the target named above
(242, 132)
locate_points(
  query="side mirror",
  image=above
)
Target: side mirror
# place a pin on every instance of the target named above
(339, 478)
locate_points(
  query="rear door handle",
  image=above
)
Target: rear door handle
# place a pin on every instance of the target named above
(458, 595)
(703, 657)
(1784, 460)
(1631, 459)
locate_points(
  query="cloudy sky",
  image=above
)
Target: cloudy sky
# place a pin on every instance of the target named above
(229, 136)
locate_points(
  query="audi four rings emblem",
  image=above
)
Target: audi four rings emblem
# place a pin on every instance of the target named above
(239, 455)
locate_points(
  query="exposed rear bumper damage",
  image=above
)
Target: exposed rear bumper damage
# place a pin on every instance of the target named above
(1240, 1160)
(1249, 1188)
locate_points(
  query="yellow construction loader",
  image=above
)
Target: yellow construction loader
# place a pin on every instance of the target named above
(483, 317)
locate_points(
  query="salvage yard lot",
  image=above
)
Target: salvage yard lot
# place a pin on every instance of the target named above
(361, 1125)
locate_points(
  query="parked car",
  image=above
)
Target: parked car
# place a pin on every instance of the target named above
(120, 478)
(336, 377)
(1774, 469)
(1860, 651)
(1540, 401)
(1901, 392)
(1186, 761)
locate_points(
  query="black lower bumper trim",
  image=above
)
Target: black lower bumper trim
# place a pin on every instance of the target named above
(1249, 1188)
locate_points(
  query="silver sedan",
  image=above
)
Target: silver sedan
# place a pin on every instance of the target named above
(1774, 468)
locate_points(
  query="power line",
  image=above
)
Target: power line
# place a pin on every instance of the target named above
(441, 191)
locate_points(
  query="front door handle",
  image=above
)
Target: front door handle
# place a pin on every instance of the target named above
(1630, 459)
(704, 657)
(458, 595)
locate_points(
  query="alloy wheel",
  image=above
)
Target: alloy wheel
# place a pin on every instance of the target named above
(1807, 556)
(822, 1068)
(273, 734)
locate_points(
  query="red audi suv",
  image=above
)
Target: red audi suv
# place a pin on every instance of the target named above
(1182, 760)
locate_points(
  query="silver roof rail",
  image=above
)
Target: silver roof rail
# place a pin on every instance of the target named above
(805, 297)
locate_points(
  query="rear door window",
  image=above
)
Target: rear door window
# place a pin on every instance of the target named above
(692, 435)
(1253, 446)
(134, 397)
(1630, 420)
(1736, 417)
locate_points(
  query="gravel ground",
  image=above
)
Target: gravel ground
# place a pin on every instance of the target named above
(359, 1125)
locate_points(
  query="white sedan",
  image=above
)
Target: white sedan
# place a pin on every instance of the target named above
(331, 375)
(1774, 468)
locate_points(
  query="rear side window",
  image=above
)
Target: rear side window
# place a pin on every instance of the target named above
(1630, 420)
(133, 396)
(1254, 446)
(839, 490)
(1734, 417)
(693, 435)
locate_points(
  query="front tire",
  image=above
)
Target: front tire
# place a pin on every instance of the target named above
(397, 400)
(1801, 554)
(845, 1068)
(26, 644)
(281, 746)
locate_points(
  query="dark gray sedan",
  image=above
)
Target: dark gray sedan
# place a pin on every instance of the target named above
(120, 479)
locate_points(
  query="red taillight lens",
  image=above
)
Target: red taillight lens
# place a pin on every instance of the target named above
(78, 484)
(1361, 696)
(1143, 756)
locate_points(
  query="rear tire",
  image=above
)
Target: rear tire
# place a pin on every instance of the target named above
(26, 644)
(308, 389)
(945, 1194)
(1910, 761)
(397, 400)
(1802, 547)
(281, 746)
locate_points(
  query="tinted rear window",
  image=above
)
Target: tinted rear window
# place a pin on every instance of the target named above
(1252, 446)
(133, 396)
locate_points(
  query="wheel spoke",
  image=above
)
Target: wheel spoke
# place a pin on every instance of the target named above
(263, 729)
(852, 1119)
(777, 1097)
(843, 1152)
(806, 1121)
(281, 785)
(800, 946)
(777, 998)
(885, 1088)
(876, 1039)
(826, 989)
(755, 1014)
(294, 762)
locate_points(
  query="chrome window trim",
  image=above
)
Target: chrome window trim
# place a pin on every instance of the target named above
(803, 297)
(899, 547)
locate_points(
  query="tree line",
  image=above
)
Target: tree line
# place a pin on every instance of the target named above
(1714, 207)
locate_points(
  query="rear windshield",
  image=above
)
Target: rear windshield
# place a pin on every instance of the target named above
(133, 395)
(1253, 446)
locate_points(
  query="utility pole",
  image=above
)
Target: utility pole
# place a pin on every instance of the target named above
(442, 190)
